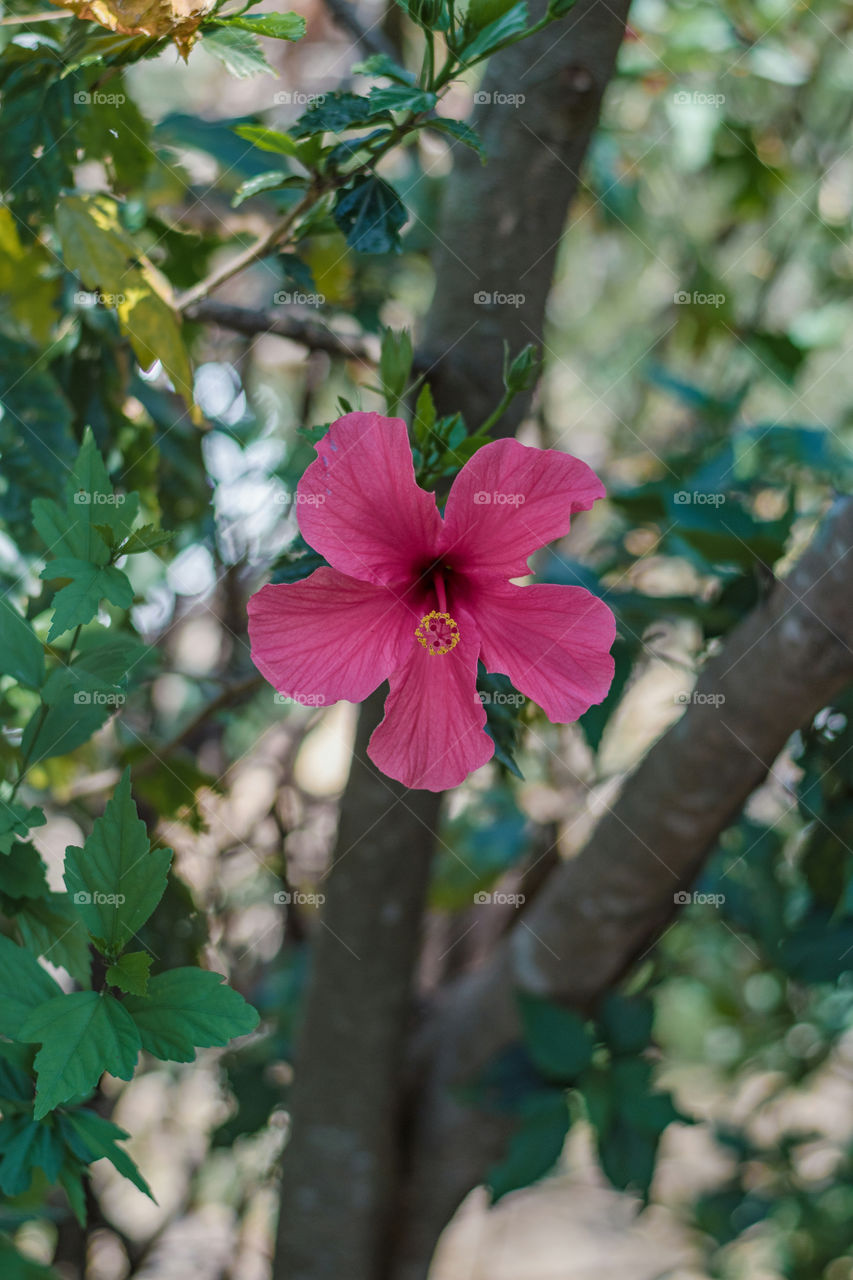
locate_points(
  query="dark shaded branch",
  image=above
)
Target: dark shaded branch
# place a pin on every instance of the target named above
(309, 333)
(603, 909)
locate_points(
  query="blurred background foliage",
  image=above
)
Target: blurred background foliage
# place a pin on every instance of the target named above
(697, 355)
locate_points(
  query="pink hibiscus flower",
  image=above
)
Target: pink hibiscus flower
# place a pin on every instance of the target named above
(417, 599)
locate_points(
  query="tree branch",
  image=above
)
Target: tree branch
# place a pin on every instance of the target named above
(309, 333)
(603, 909)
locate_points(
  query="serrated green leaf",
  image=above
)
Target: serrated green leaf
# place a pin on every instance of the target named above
(337, 111)
(116, 879)
(187, 1009)
(97, 1139)
(491, 38)
(370, 214)
(24, 1145)
(23, 874)
(79, 600)
(268, 140)
(50, 928)
(460, 132)
(82, 1035)
(146, 538)
(16, 821)
(238, 51)
(268, 181)
(24, 985)
(130, 973)
(21, 651)
(278, 26)
(401, 98)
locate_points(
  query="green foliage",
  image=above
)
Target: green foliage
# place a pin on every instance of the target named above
(189, 1008)
(371, 215)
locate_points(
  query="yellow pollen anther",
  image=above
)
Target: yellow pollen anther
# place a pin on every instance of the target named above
(437, 632)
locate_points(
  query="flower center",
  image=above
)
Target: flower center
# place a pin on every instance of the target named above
(437, 632)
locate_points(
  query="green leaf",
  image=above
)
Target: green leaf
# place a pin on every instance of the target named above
(337, 111)
(557, 1038)
(130, 973)
(482, 12)
(97, 1139)
(370, 214)
(395, 366)
(146, 538)
(79, 600)
(263, 182)
(279, 26)
(379, 64)
(16, 820)
(56, 730)
(535, 1146)
(116, 879)
(24, 985)
(187, 1009)
(626, 1022)
(50, 928)
(268, 140)
(82, 1035)
(21, 651)
(424, 419)
(401, 98)
(23, 874)
(496, 34)
(559, 8)
(460, 132)
(238, 51)
(25, 1144)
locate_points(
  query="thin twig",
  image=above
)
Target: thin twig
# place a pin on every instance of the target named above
(309, 333)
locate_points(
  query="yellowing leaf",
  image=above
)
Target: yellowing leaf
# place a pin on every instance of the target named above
(154, 331)
(25, 289)
(178, 19)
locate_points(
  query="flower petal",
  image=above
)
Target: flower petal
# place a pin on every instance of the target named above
(432, 736)
(553, 643)
(358, 503)
(328, 637)
(509, 500)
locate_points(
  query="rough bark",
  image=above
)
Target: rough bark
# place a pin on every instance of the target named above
(342, 1166)
(502, 224)
(603, 909)
(341, 1163)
